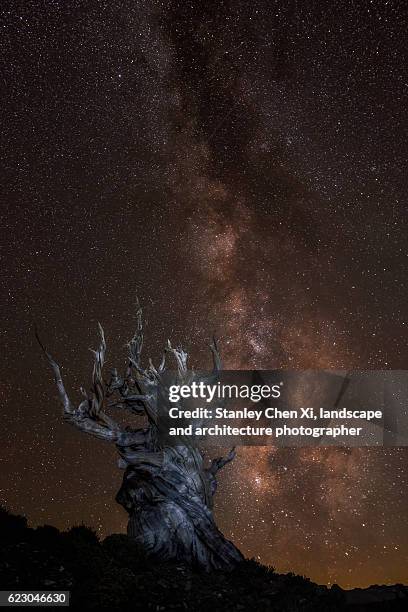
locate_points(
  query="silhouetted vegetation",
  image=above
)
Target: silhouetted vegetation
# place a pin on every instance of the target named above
(115, 573)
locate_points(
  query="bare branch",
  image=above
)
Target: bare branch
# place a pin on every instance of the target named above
(216, 355)
(162, 365)
(97, 396)
(220, 462)
(89, 416)
(180, 357)
(66, 402)
(135, 345)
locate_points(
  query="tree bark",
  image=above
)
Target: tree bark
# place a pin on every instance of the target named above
(166, 490)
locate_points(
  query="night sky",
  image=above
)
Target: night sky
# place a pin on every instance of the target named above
(241, 167)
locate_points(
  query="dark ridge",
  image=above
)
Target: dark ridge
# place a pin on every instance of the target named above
(115, 573)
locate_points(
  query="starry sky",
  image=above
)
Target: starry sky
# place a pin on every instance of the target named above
(241, 167)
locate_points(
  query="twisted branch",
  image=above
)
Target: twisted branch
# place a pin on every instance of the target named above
(135, 392)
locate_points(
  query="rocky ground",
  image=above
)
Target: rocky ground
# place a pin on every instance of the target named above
(114, 573)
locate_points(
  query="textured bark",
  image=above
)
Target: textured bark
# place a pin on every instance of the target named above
(166, 490)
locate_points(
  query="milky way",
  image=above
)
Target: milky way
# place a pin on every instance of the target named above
(243, 171)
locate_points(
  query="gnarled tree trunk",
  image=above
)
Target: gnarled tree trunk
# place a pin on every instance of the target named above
(166, 490)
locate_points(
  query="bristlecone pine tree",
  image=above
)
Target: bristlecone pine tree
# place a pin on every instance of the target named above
(166, 489)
